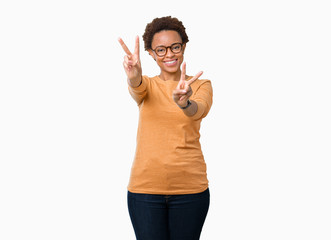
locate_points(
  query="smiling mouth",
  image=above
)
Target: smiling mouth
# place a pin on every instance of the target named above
(171, 63)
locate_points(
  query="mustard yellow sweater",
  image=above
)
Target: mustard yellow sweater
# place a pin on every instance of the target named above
(168, 158)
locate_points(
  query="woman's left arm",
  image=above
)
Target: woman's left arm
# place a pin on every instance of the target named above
(203, 98)
(199, 105)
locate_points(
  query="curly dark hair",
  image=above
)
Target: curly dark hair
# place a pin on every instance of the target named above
(160, 24)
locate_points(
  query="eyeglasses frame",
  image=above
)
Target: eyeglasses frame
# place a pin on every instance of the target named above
(181, 49)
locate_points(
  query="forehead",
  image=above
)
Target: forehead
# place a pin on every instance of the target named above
(165, 38)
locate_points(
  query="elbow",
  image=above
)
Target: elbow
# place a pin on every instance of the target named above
(202, 110)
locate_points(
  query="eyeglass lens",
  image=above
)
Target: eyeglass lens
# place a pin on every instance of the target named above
(175, 48)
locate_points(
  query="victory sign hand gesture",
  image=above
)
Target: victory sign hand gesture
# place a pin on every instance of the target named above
(183, 91)
(132, 65)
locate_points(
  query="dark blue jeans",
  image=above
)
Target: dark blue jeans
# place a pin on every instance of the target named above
(168, 217)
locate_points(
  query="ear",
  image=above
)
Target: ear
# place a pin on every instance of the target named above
(152, 54)
(184, 46)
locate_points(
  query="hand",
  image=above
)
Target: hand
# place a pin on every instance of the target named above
(132, 65)
(183, 91)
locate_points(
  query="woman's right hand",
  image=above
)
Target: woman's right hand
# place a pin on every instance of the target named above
(132, 65)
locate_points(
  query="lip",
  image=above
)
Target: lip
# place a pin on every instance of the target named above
(171, 63)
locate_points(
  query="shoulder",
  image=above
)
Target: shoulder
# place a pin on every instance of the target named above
(146, 78)
(205, 83)
(202, 88)
(200, 81)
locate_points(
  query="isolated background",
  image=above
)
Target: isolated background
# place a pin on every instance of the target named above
(68, 124)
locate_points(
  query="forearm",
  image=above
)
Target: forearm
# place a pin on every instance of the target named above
(135, 82)
(192, 109)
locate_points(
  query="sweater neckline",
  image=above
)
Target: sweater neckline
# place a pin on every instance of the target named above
(172, 81)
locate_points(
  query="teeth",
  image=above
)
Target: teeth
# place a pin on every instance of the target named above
(171, 61)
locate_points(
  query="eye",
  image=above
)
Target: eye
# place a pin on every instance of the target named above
(176, 48)
(160, 50)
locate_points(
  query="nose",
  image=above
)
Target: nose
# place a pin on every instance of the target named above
(169, 53)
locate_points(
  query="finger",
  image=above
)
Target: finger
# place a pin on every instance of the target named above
(128, 60)
(182, 98)
(180, 84)
(178, 92)
(194, 78)
(137, 47)
(183, 75)
(126, 66)
(125, 48)
(187, 89)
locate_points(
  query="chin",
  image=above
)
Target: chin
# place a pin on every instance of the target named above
(170, 70)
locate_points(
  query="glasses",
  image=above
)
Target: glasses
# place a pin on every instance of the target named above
(162, 50)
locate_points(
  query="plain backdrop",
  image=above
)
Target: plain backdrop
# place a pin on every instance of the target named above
(68, 124)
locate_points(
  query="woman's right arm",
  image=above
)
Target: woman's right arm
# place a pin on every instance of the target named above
(132, 65)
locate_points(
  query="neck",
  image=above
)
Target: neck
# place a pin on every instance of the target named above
(165, 76)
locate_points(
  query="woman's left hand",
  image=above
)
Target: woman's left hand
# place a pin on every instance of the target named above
(183, 91)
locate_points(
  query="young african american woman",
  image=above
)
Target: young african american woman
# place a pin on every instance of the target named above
(168, 193)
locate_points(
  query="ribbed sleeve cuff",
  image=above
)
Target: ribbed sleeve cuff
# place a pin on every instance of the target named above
(201, 109)
(140, 88)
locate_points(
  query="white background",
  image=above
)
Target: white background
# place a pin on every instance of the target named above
(68, 124)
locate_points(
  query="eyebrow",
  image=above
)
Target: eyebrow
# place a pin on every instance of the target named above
(167, 46)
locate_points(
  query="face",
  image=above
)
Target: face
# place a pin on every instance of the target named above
(170, 62)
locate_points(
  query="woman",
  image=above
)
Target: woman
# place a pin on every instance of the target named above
(168, 194)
